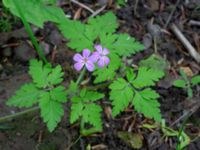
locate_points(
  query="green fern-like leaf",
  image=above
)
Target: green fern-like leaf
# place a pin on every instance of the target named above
(92, 114)
(86, 34)
(26, 96)
(43, 75)
(121, 95)
(32, 10)
(147, 77)
(59, 94)
(108, 73)
(83, 107)
(136, 91)
(106, 23)
(39, 73)
(145, 102)
(121, 44)
(51, 110)
(56, 76)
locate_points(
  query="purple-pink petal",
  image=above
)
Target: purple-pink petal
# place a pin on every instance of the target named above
(105, 51)
(90, 66)
(94, 57)
(99, 48)
(86, 53)
(77, 57)
(78, 66)
(106, 60)
(103, 61)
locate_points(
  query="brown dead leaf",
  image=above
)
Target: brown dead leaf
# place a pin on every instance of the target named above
(187, 71)
(154, 4)
(78, 14)
(108, 112)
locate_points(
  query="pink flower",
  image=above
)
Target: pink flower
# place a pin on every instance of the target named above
(101, 53)
(85, 60)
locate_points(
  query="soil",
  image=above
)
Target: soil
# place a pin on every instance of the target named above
(149, 18)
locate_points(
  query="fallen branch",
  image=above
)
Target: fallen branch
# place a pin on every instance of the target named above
(186, 43)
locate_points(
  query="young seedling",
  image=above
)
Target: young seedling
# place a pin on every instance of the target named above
(187, 83)
(99, 51)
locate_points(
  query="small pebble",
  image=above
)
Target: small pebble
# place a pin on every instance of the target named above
(154, 30)
(147, 40)
(24, 52)
(55, 37)
(45, 47)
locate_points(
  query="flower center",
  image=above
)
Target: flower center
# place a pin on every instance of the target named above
(85, 60)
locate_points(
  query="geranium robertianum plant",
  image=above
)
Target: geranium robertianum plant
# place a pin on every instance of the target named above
(99, 53)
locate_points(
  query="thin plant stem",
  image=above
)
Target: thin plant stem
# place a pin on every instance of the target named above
(30, 33)
(178, 147)
(81, 76)
(9, 117)
(68, 148)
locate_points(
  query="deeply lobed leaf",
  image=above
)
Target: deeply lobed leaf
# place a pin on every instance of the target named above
(147, 77)
(32, 10)
(121, 95)
(26, 96)
(145, 102)
(84, 108)
(43, 75)
(51, 110)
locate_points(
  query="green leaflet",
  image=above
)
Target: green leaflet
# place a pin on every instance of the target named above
(26, 96)
(145, 102)
(43, 92)
(51, 110)
(32, 10)
(195, 80)
(126, 45)
(187, 83)
(147, 77)
(86, 34)
(180, 83)
(83, 107)
(43, 75)
(106, 23)
(121, 44)
(155, 62)
(121, 95)
(121, 2)
(142, 97)
(108, 73)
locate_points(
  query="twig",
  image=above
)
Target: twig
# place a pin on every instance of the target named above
(171, 14)
(194, 23)
(187, 114)
(98, 11)
(83, 6)
(69, 147)
(135, 7)
(186, 43)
